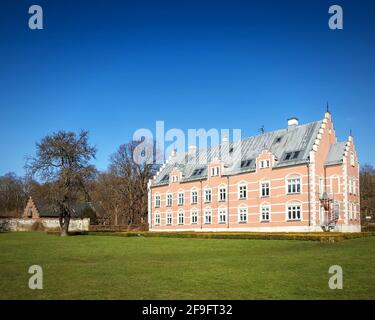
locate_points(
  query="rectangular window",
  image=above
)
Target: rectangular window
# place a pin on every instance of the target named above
(242, 192)
(194, 216)
(242, 215)
(222, 194)
(169, 218)
(294, 185)
(157, 201)
(264, 164)
(294, 212)
(207, 195)
(169, 200)
(194, 197)
(265, 213)
(208, 217)
(222, 215)
(265, 189)
(180, 198)
(157, 218)
(214, 171)
(181, 217)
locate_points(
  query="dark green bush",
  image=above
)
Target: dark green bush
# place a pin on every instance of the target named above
(319, 236)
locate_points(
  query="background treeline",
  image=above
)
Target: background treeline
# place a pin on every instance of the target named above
(118, 194)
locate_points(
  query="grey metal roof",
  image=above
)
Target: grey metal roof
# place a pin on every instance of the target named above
(279, 142)
(336, 153)
(47, 210)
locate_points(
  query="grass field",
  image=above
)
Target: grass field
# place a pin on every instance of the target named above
(109, 267)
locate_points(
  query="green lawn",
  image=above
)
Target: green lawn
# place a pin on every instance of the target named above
(110, 267)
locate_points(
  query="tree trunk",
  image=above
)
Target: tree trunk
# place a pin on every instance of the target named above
(64, 224)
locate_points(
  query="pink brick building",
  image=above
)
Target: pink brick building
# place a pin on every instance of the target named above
(296, 179)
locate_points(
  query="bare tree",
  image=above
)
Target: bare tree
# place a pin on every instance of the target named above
(63, 161)
(13, 195)
(367, 187)
(122, 190)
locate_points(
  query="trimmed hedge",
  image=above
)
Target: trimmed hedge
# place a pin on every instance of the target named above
(316, 236)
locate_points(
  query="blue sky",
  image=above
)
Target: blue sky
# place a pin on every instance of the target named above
(112, 67)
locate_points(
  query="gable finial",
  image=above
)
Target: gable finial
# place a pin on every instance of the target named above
(327, 107)
(350, 132)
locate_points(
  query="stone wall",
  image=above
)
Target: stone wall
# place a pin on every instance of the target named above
(19, 224)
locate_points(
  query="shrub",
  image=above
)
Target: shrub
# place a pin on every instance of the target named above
(319, 236)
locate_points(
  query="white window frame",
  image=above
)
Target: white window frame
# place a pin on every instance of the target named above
(194, 196)
(262, 208)
(169, 218)
(167, 198)
(181, 203)
(295, 205)
(157, 200)
(241, 185)
(261, 189)
(207, 213)
(294, 185)
(220, 193)
(240, 214)
(264, 164)
(214, 171)
(222, 213)
(180, 214)
(208, 191)
(193, 214)
(157, 219)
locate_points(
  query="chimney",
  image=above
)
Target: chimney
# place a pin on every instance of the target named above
(174, 152)
(292, 122)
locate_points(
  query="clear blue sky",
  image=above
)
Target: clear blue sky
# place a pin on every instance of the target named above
(112, 67)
